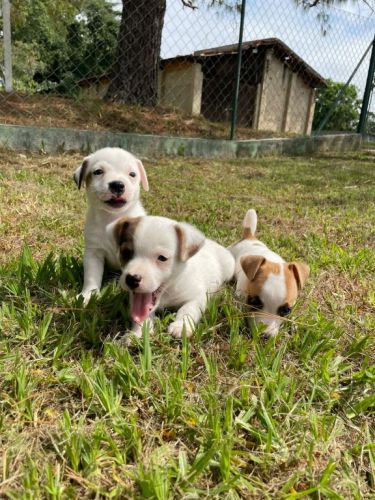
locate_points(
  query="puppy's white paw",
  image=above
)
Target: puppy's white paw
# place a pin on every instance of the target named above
(86, 296)
(137, 331)
(131, 336)
(176, 329)
(128, 339)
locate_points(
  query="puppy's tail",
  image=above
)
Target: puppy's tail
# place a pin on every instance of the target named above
(250, 224)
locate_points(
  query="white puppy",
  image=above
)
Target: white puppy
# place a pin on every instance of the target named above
(267, 283)
(169, 264)
(112, 177)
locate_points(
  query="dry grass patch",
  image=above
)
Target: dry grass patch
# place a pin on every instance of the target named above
(83, 113)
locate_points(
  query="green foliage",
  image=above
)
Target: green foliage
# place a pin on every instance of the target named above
(370, 125)
(56, 47)
(26, 61)
(346, 114)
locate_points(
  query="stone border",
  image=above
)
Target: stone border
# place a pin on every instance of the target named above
(299, 145)
(54, 140)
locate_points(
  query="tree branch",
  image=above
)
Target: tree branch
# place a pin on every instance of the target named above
(309, 3)
(314, 3)
(189, 3)
(368, 5)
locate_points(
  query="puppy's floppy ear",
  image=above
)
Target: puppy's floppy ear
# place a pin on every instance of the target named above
(118, 229)
(80, 173)
(189, 240)
(251, 265)
(122, 230)
(142, 173)
(301, 272)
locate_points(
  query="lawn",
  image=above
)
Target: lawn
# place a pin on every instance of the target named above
(225, 414)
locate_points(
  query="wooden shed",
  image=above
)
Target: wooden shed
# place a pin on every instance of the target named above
(277, 87)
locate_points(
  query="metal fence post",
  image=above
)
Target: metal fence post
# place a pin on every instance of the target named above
(341, 91)
(238, 73)
(7, 47)
(367, 93)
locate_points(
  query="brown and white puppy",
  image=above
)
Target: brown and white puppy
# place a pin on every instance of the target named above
(112, 177)
(169, 264)
(267, 283)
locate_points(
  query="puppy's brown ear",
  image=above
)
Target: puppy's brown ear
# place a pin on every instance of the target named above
(123, 229)
(189, 241)
(301, 272)
(251, 265)
(119, 229)
(80, 173)
(142, 173)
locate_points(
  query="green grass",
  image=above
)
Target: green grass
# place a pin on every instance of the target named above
(225, 414)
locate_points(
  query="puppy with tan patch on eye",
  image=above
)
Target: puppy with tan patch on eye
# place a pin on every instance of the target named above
(113, 178)
(267, 283)
(169, 264)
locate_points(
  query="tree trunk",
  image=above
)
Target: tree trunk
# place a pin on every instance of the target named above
(135, 73)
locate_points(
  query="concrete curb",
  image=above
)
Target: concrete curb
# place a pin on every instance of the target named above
(299, 145)
(54, 140)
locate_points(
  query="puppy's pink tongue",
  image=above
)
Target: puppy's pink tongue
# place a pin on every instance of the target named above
(141, 307)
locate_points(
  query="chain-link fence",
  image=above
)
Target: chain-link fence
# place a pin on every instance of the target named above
(172, 67)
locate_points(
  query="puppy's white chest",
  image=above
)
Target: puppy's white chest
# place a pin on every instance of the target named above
(111, 258)
(97, 239)
(96, 236)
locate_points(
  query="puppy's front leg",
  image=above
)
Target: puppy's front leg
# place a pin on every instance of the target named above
(93, 267)
(187, 317)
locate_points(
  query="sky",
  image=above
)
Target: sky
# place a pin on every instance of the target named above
(349, 32)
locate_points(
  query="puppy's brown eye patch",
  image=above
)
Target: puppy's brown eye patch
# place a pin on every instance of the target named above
(98, 171)
(162, 258)
(132, 174)
(284, 310)
(255, 302)
(126, 253)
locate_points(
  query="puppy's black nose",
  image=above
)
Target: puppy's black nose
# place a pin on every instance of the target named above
(117, 187)
(133, 280)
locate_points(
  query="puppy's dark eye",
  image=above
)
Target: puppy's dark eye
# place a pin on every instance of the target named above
(98, 171)
(162, 258)
(132, 174)
(255, 302)
(284, 310)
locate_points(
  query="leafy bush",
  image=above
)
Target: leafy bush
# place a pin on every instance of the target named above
(345, 115)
